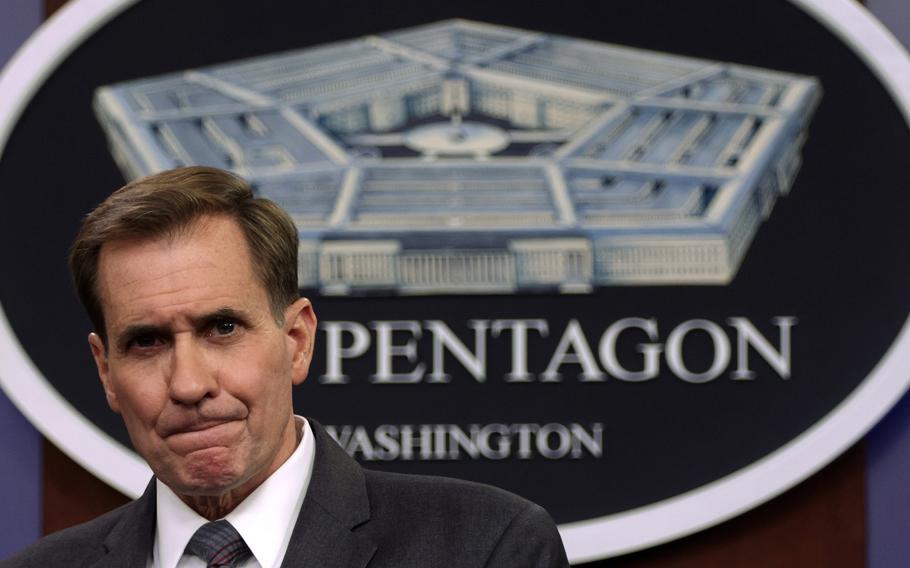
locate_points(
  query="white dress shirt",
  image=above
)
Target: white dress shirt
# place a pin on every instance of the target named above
(265, 519)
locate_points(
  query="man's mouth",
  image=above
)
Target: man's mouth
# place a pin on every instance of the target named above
(205, 434)
(201, 425)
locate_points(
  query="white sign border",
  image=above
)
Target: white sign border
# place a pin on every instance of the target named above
(585, 540)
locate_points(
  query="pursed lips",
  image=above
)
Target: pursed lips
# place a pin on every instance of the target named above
(202, 434)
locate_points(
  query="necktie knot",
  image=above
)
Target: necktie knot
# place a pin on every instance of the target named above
(219, 544)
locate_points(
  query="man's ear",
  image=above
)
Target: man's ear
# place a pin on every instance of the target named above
(99, 353)
(300, 328)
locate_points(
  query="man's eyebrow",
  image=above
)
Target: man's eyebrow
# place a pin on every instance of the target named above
(205, 320)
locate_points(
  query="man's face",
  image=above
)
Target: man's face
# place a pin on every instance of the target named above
(195, 361)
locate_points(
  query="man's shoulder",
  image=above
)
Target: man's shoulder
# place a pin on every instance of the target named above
(429, 522)
(80, 545)
(471, 519)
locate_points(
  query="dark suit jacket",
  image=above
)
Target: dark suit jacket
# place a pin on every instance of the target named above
(350, 517)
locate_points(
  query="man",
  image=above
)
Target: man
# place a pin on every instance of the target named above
(200, 335)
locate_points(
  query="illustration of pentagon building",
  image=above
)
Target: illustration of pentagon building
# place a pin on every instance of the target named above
(463, 157)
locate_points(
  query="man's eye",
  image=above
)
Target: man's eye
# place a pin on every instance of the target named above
(224, 327)
(144, 341)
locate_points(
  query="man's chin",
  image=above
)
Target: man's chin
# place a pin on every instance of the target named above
(205, 474)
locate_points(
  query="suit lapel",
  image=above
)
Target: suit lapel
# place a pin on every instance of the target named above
(130, 541)
(336, 502)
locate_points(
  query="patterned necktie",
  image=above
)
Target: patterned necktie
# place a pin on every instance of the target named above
(219, 544)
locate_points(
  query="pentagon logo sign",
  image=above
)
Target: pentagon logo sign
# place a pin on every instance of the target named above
(468, 157)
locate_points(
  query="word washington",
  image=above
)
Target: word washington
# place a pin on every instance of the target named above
(428, 442)
(399, 359)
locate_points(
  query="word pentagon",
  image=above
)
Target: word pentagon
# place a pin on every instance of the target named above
(397, 344)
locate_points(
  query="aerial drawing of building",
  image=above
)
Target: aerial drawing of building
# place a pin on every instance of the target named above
(468, 157)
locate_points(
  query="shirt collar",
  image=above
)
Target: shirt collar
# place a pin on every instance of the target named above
(265, 519)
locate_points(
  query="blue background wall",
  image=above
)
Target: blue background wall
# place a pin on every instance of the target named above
(20, 444)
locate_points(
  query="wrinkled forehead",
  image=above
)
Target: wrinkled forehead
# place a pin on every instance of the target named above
(209, 256)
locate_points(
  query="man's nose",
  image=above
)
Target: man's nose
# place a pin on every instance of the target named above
(191, 378)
